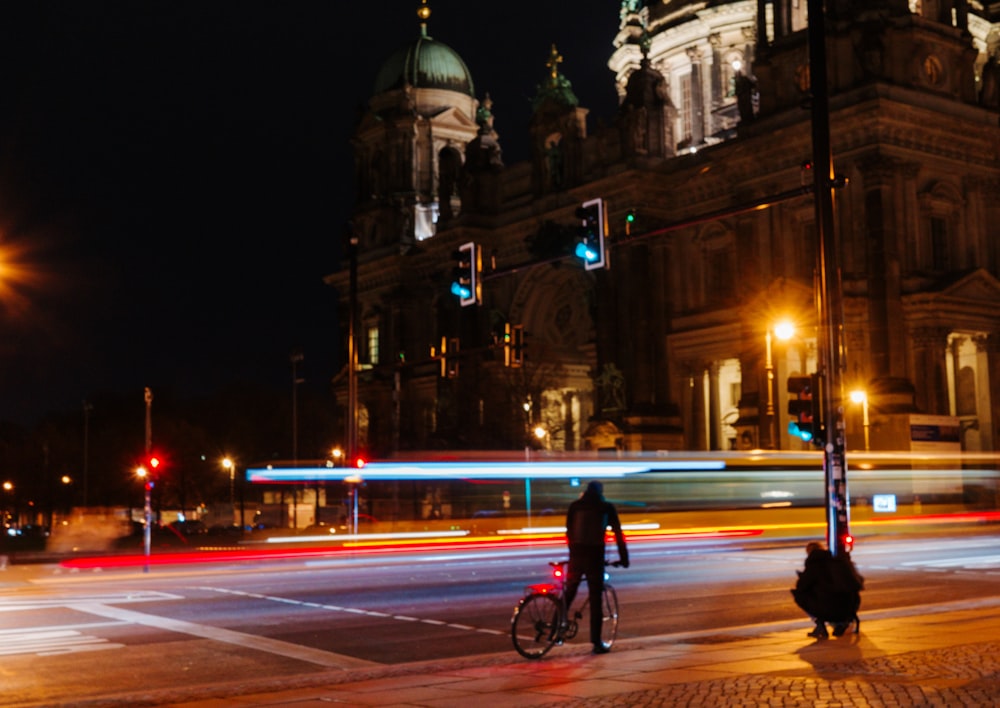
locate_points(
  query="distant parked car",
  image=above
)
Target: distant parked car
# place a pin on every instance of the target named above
(190, 527)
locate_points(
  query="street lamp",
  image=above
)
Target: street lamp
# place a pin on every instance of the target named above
(295, 358)
(67, 505)
(147, 509)
(784, 331)
(8, 487)
(860, 396)
(230, 466)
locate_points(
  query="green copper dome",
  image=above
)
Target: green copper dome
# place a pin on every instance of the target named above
(425, 63)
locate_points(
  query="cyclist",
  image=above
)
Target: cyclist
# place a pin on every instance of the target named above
(586, 522)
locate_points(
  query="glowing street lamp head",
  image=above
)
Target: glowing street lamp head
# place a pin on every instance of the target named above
(784, 330)
(227, 464)
(858, 396)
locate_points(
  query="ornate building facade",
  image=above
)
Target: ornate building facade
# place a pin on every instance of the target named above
(670, 347)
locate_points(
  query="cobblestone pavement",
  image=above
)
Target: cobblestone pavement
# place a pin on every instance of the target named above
(958, 676)
(941, 655)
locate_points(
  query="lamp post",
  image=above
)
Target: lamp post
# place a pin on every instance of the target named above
(8, 487)
(783, 331)
(295, 358)
(540, 434)
(527, 428)
(67, 496)
(147, 512)
(230, 466)
(87, 408)
(860, 396)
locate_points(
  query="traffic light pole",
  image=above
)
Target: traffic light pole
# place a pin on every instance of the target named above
(829, 293)
(147, 483)
(352, 348)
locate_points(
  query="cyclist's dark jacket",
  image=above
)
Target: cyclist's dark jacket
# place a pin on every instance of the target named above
(587, 519)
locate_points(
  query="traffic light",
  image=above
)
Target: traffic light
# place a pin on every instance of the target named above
(146, 471)
(592, 231)
(629, 220)
(517, 346)
(846, 542)
(507, 340)
(450, 360)
(806, 408)
(465, 276)
(448, 356)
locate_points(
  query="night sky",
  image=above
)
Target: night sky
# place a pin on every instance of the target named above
(175, 177)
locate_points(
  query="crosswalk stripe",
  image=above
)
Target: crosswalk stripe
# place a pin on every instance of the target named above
(969, 562)
(49, 642)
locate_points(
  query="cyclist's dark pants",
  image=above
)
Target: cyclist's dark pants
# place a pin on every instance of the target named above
(587, 561)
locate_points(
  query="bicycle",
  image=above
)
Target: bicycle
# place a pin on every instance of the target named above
(541, 620)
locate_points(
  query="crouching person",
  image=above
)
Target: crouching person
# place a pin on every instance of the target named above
(829, 591)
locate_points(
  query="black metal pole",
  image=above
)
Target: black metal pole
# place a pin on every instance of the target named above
(352, 350)
(829, 293)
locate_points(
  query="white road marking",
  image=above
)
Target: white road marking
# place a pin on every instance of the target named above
(218, 634)
(121, 598)
(354, 610)
(50, 641)
(969, 562)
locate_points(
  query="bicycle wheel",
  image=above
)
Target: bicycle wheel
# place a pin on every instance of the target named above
(534, 626)
(609, 612)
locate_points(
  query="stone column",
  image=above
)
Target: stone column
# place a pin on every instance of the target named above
(696, 426)
(718, 90)
(985, 355)
(697, 98)
(929, 352)
(714, 408)
(885, 315)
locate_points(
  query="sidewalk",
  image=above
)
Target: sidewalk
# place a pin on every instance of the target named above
(943, 655)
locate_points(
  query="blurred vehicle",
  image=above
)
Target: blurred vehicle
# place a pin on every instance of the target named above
(224, 531)
(344, 526)
(189, 527)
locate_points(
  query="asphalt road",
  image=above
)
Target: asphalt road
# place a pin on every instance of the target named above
(107, 635)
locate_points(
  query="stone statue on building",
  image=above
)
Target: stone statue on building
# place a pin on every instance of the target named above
(745, 88)
(989, 92)
(611, 389)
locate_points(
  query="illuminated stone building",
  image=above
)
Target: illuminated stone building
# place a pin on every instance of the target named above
(668, 347)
